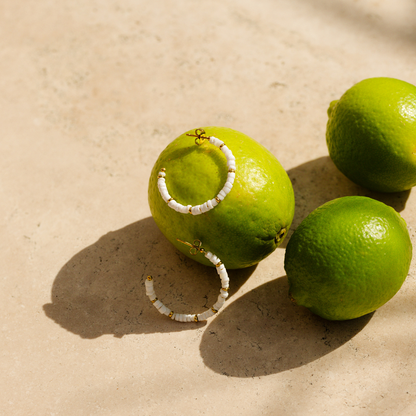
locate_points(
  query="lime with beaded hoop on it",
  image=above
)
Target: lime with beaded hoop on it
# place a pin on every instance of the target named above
(256, 202)
(248, 226)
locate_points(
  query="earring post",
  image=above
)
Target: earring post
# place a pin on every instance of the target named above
(186, 243)
(195, 247)
(199, 135)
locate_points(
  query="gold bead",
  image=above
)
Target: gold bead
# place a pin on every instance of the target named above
(149, 278)
(217, 199)
(154, 300)
(222, 145)
(163, 169)
(190, 210)
(159, 176)
(171, 314)
(218, 264)
(170, 199)
(196, 318)
(214, 310)
(231, 170)
(225, 289)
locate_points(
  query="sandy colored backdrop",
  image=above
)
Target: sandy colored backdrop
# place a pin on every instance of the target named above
(90, 94)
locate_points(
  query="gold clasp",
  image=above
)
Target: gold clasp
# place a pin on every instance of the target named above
(195, 247)
(199, 136)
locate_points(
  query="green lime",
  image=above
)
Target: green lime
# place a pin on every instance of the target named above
(249, 223)
(371, 134)
(348, 257)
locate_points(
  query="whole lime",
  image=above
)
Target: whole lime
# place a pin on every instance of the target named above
(348, 257)
(371, 134)
(249, 223)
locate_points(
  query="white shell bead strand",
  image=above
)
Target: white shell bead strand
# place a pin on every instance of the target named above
(211, 203)
(180, 317)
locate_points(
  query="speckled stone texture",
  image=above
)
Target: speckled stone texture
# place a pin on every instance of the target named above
(91, 93)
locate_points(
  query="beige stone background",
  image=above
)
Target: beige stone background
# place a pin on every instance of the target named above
(90, 93)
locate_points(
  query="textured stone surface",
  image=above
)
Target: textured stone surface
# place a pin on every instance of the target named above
(91, 93)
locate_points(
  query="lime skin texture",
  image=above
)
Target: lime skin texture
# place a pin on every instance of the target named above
(371, 134)
(249, 223)
(348, 258)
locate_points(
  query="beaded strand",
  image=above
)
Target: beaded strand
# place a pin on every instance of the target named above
(211, 203)
(182, 317)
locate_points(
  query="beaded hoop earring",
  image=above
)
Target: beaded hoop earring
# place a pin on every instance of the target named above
(180, 317)
(211, 203)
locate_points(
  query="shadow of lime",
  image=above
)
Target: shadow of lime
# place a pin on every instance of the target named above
(263, 333)
(318, 181)
(100, 290)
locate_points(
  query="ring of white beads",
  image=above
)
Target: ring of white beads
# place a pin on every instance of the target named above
(211, 203)
(181, 317)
